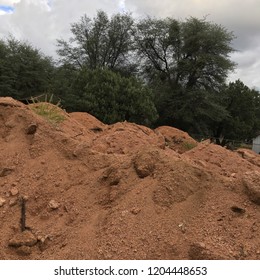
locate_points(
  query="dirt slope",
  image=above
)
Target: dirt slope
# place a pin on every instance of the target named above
(124, 191)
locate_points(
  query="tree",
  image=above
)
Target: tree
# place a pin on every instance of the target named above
(99, 42)
(186, 64)
(24, 71)
(110, 97)
(159, 45)
(191, 54)
(243, 107)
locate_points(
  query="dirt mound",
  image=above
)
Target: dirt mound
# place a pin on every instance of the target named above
(72, 187)
(88, 121)
(176, 139)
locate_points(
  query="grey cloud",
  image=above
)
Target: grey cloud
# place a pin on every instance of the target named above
(241, 17)
(35, 22)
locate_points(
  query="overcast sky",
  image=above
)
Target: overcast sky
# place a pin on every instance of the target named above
(41, 22)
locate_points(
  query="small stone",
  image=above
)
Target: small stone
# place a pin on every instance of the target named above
(202, 245)
(201, 163)
(54, 204)
(112, 176)
(25, 197)
(13, 201)
(233, 175)
(135, 211)
(145, 162)
(14, 191)
(2, 201)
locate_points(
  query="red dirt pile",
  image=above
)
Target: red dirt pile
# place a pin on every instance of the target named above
(85, 190)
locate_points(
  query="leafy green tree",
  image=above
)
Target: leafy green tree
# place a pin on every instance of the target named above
(24, 71)
(205, 59)
(243, 107)
(186, 64)
(191, 54)
(99, 42)
(110, 97)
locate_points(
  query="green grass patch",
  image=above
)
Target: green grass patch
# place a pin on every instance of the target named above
(188, 145)
(50, 112)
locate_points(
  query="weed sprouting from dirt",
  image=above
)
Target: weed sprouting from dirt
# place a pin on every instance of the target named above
(188, 146)
(51, 112)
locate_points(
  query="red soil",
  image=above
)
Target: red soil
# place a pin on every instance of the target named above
(122, 191)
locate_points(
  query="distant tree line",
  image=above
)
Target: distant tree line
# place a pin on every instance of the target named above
(149, 71)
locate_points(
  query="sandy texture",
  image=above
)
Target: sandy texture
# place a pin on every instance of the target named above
(124, 191)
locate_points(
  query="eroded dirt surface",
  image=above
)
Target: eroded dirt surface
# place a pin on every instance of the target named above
(122, 191)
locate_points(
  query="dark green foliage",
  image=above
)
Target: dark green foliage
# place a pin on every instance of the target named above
(243, 107)
(99, 42)
(152, 71)
(109, 96)
(186, 64)
(205, 59)
(24, 71)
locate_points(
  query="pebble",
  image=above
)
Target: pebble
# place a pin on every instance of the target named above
(135, 211)
(54, 204)
(14, 191)
(2, 201)
(13, 201)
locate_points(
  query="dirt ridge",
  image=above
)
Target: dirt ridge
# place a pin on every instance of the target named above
(121, 191)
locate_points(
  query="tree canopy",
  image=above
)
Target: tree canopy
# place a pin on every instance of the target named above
(243, 107)
(191, 54)
(24, 71)
(108, 96)
(151, 71)
(98, 42)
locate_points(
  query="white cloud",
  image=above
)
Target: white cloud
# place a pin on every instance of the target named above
(9, 2)
(41, 22)
(122, 6)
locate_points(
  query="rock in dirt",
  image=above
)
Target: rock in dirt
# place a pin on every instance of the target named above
(25, 238)
(2, 201)
(53, 204)
(13, 201)
(14, 191)
(251, 181)
(112, 176)
(144, 162)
